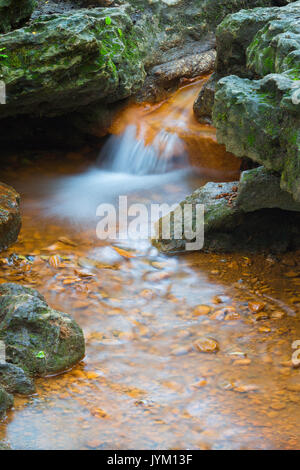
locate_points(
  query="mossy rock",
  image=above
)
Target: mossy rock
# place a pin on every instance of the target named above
(10, 219)
(14, 12)
(6, 402)
(61, 62)
(260, 119)
(237, 219)
(14, 380)
(260, 188)
(38, 339)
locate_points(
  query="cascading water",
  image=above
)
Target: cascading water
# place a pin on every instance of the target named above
(151, 147)
(128, 154)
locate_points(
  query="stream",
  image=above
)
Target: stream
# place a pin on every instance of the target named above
(144, 384)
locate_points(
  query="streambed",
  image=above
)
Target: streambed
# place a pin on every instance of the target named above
(144, 382)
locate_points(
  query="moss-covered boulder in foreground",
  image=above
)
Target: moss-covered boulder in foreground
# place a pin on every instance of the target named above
(14, 12)
(39, 339)
(62, 62)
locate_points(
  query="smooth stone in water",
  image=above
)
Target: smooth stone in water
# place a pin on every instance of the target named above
(206, 345)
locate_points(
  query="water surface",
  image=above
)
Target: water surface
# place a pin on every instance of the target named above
(143, 383)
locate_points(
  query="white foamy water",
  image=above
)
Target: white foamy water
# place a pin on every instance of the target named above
(130, 155)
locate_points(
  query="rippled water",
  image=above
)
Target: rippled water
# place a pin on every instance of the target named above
(143, 383)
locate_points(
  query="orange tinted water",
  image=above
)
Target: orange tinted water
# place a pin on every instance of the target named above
(144, 383)
(176, 115)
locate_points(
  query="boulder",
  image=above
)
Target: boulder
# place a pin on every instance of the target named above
(62, 62)
(14, 12)
(234, 36)
(260, 119)
(251, 215)
(246, 29)
(260, 188)
(10, 220)
(38, 339)
(205, 101)
(6, 402)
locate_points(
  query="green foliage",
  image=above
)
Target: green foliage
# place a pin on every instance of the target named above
(3, 56)
(108, 20)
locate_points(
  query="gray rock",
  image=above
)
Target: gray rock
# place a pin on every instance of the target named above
(260, 119)
(6, 402)
(260, 188)
(14, 380)
(233, 222)
(107, 62)
(98, 48)
(204, 103)
(10, 219)
(167, 77)
(39, 339)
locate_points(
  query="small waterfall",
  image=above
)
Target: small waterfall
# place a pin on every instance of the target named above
(128, 153)
(146, 157)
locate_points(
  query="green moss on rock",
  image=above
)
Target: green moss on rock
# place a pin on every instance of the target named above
(14, 380)
(260, 119)
(276, 47)
(61, 62)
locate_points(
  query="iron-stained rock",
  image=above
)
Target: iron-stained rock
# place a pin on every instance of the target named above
(10, 220)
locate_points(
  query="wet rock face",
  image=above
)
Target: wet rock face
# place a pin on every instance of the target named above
(104, 50)
(53, 6)
(38, 339)
(10, 220)
(14, 12)
(14, 380)
(260, 119)
(205, 101)
(6, 402)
